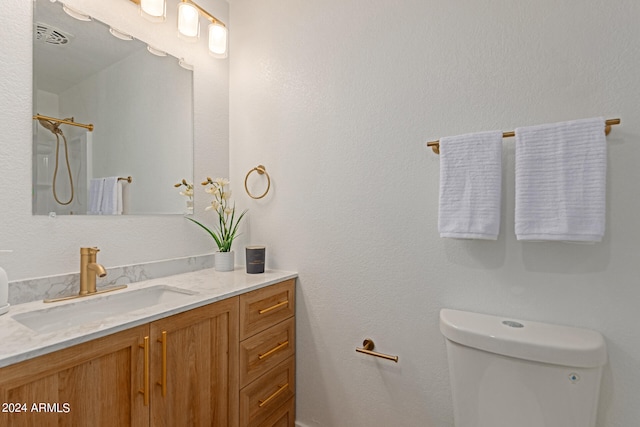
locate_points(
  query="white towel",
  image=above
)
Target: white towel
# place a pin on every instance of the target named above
(560, 181)
(96, 187)
(111, 197)
(470, 186)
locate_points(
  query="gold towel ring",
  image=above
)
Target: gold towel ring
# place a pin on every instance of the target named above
(261, 171)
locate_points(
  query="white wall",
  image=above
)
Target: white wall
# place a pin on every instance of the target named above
(337, 99)
(156, 155)
(44, 246)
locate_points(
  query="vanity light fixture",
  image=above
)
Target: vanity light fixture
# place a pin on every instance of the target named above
(189, 27)
(153, 10)
(189, 23)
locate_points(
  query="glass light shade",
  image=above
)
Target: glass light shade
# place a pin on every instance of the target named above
(75, 14)
(188, 21)
(153, 10)
(156, 52)
(218, 40)
(120, 35)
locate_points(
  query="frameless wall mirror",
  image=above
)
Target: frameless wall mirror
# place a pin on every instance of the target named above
(141, 108)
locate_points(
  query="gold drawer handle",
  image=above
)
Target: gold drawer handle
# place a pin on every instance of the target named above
(273, 350)
(145, 385)
(273, 307)
(273, 396)
(163, 373)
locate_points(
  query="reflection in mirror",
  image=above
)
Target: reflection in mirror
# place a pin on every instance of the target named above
(141, 108)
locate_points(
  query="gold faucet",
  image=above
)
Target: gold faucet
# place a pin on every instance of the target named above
(89, 270)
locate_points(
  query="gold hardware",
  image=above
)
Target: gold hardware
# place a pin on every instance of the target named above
(273, 307)
(273, 350)
(89, 269)
(145, 385)
(435, 145)
(163, 381)
(261, 171)
(209, 16)
(368, 347)
(63, 121)
(261, 403)
(128, 179)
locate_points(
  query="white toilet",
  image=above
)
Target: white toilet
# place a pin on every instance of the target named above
(514, 373)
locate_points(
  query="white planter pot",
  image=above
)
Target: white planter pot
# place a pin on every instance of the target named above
(224, 261)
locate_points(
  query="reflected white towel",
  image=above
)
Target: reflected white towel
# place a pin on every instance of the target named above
(470, 186)
(560, 181)
(111, 197)
(96, 187)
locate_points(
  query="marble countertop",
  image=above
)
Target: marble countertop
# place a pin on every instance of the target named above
(21, 343)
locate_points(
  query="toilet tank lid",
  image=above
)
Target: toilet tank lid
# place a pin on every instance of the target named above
(523, 339)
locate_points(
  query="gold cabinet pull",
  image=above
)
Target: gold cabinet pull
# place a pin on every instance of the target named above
(261, 403)
(163, 381)
(273, 350)
(145, 385)
(273, 307)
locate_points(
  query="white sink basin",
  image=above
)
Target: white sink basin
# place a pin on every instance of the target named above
(99, 307)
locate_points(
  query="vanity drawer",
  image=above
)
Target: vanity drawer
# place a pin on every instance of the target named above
(265, 350)
(263, 308)
(284, 416)
(263, 397)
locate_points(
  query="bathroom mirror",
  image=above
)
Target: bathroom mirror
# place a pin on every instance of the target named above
(141, 108)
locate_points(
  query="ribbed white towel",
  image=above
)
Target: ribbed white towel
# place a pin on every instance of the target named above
(111, 197)
(96, 187)
(561, 173)
(470, 186)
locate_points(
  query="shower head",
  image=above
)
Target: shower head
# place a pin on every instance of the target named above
(51, 126)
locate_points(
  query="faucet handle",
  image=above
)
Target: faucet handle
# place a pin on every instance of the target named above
(89, 251)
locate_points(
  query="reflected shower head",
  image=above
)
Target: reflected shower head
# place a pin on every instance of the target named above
(52, 126)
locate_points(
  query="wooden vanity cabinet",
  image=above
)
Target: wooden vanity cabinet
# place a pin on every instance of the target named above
(194, 367)
(191, 369)
(91, 384)
(267, 356)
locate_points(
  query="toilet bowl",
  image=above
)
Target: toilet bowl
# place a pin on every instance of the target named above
(516, 373)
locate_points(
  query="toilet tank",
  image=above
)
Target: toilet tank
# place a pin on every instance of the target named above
(517, 373)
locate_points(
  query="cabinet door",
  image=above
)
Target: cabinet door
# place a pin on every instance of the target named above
(194, 367)
(97, 383)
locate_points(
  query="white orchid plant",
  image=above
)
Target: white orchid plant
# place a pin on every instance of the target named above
(188, 191)
(227, 227)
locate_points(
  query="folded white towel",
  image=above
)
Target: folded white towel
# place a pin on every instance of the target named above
(111, 196)
(560, 181)
(96, 188)
(470, 186)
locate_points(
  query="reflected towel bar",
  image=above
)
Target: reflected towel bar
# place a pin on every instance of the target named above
(367, 348)
(63, 121)
(435, 145)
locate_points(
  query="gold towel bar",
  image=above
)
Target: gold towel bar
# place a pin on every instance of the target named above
(128, 179)
(66, 122)
(368, 347)
(435, 145)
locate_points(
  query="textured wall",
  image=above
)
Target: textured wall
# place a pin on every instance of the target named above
(44, 246)
(337, 99)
